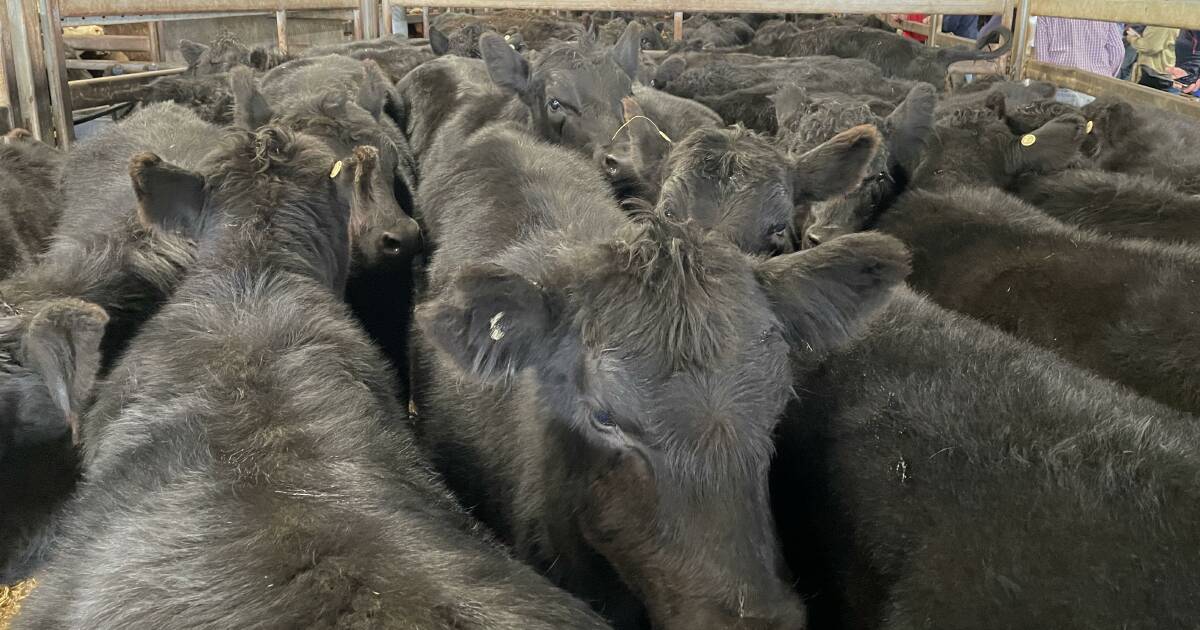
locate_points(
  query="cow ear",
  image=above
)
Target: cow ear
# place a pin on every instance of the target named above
(825, 294)
(668, 71)
(191, 51)
(998, 104)
(62, 345)
(250, 109)
(374, 92)
(1053, 146)
(909, 127)
(492, 322)
(788, 101)
(505, 66)
(835, 167)
(169, 197)
(438, 41)
(625, 52)
(590, 30)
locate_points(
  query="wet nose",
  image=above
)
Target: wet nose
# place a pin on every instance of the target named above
(611, 164)
(400, 243)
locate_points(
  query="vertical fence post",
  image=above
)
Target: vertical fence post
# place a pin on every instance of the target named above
(387, 26)
(29, 58)
(12, 94)
(1021, 37)
(54, 53)
(935, 29)
(677, 35)
(358, 23)
(281, 31)
(425, 22)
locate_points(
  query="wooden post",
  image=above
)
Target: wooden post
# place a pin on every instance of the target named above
(156, 48)
(935, 30)
(11, 94)
(281, 37)
(358, 24)
(386, 25)
(425, 22)
(56, 71)
(677, 35)
(1021, 34)
(370, 21)
(29, 58)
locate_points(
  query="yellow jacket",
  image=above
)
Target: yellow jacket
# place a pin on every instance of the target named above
(1156, 47)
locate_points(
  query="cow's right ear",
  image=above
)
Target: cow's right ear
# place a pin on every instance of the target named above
(823, 295)
(505, 66)
(438, 41)
(191, 51)
(250, 109)
(908, 129)
(62, 345)
(169, 197)
(491, 321)
(668, 71)
(788, 101)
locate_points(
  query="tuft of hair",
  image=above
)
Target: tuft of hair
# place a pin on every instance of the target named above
(655, 295)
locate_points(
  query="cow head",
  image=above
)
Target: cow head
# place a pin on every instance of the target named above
(385, 232)
(739, 184)
(49, 356)
(573, 90)
(905, 133)
(658, 363)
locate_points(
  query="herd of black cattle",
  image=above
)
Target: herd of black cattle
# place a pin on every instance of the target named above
(549, 324)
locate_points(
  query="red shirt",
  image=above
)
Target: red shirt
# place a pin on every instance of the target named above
(915, 17)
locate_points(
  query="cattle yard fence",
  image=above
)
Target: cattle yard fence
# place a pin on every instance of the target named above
(42, 99)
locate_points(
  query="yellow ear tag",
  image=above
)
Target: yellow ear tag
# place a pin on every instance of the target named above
(337, 168)
(1091, 125)
(508, 38)
(1028, 139)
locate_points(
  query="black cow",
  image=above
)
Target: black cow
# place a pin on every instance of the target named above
(1116, 204)
(432, 93)
(740, 185)
(897, 56)
(266, 480)
(31, 198)
(1145, 142)
(225, 53)
(573, 90)
(393, 56)
(601, 389)
(526, 30)
(1120, 308)
(717, 33)
(209, 95)
(940, 474)
(462, 42)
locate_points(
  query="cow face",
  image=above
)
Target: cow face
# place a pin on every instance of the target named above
(224, 54)
(657, 365)
(738, 184)
(905, 132)
(573, 90)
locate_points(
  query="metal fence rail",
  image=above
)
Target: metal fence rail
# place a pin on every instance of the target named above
(34, 69)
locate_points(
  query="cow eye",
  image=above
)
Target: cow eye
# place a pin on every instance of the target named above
(604, 418)
(777, 228)
(554, 105)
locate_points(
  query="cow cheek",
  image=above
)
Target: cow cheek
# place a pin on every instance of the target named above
(618, 518)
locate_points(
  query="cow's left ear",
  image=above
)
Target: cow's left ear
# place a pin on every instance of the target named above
(627, 49)
(825, 294)
(506, 67)
(375, 91)
(62, 345)
(250, 109)
(835, 167)
(191, 51)
(1051, 147)
(491, 321)
(169, 197)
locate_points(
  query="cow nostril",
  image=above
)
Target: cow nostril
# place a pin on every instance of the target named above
(391, 244)
(813, 239)
(611, 164)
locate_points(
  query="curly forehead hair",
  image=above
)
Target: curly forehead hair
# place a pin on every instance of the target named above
(725, 155)
(656, 294)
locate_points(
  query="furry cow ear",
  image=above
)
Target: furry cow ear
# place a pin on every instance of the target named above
(169, 197)
(627, 49)
(492, 322)
(250, 109)
(835, 167)
(505, 66)
(191, 51)
(438, 41)
(788, 101)
(909, 127)
(62, 345)
(375, 91)
(825, 294)
(668, 71)
(1051, 147)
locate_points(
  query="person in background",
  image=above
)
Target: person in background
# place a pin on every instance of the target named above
(962, 25)
(1131, 54)
(1187, 60)
(1097, 47)
(1155, 48)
